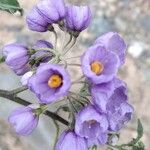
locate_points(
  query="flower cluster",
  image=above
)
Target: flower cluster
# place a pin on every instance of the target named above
(74, 19)
(101, 106)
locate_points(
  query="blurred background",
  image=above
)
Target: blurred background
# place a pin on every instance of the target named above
(131, 18)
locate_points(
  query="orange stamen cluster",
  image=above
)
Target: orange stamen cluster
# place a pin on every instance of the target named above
(54, 81)
(97, 67)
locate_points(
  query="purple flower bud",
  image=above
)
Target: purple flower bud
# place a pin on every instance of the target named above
(17, 58)
(69, 140)
(50, 83)
(99, 65)
(91, 125)
(36, 22)
(78, 17)
(113, 42)
(23, 120)
(42, 44)
(43, 55)
(51, 10)
(21, 71)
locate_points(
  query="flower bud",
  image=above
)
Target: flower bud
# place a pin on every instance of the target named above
(42, 44)
(23, 120)
(78, 18)
(52, 11)
(16, 56)
(36, 22)
(42, 55)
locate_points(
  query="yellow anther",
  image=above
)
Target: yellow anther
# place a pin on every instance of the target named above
(54, 81)
(97, 67)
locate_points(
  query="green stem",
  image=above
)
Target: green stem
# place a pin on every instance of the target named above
(48, 49)
(8, 95)
(71, 113)
(118, 147)
(73, 43)
(82, 103)
(19, 90)
(72, 105)
(57, 132)
(70, 39)
(56, 38)
(77, 94)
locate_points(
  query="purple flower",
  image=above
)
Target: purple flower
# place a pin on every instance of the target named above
(17, 58)
(119, 115)
(51, 10)
(36, 22)
(92, 125)
(100, 141)
(23, 120)
(50, 82)
(99, 65)
(101, 93)
(78, 17)
(69, 140)
(111, 98)
(113, 42)
(42, 55)
(119, 111)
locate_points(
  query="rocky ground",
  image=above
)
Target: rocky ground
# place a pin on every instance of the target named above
(131, 19)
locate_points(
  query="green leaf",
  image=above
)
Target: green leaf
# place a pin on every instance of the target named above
(84, 91)
(139, 132)
(135, 143)
(139, 129)
(10, 6)
(138, 146)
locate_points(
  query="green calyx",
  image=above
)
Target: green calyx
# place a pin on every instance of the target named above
(32, 51)
(50, 28)
(74, 33)
(40, 110)
(2, 59)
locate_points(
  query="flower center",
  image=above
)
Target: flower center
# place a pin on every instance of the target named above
(97, 67)
(91, 122)
(55, 81)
